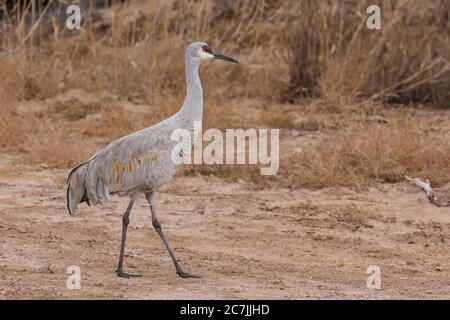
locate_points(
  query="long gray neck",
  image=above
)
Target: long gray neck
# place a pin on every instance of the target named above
(192, 108)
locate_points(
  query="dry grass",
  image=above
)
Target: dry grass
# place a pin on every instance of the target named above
(336, 57)
(366, 152)
(129, 74)
(359, 154)
(11, 126)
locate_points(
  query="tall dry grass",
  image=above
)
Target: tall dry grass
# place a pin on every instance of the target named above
(135, 53)
(335, 56)
(287, 49)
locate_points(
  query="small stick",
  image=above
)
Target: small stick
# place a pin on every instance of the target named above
(425, 186)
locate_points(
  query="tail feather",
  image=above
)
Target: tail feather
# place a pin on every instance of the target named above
(76, 188)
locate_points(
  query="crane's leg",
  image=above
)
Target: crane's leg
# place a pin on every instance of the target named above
(150, 198)
(125, 222)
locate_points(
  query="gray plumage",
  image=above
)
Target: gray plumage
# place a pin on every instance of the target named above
(141, 162)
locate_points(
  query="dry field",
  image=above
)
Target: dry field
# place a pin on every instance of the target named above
(358, 111)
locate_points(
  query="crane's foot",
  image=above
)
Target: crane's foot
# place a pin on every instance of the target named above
(183, 274)
(122, 274)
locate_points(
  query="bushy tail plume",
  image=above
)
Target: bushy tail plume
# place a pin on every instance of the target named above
(76, 189)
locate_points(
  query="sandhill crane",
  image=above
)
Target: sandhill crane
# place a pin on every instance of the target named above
(141, 162)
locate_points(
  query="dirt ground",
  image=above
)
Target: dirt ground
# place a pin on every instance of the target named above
(247, 244)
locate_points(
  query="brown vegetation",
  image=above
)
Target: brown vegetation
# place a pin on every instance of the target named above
(64, 95)
(336, 57)
(382, 152)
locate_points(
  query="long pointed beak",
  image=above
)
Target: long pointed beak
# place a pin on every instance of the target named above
(220, 56)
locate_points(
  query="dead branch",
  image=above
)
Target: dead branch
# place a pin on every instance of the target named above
(425, 186)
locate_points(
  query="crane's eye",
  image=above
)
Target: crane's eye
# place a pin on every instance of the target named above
(207, 49)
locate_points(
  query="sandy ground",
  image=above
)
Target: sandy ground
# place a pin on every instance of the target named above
(274, 244)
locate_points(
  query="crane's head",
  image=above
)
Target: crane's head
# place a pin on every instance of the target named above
(200, 51)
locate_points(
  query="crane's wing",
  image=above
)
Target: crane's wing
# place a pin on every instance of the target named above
(128, 164)
(140, 161)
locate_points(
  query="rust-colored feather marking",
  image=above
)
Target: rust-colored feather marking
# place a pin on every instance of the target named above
(120, 167)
